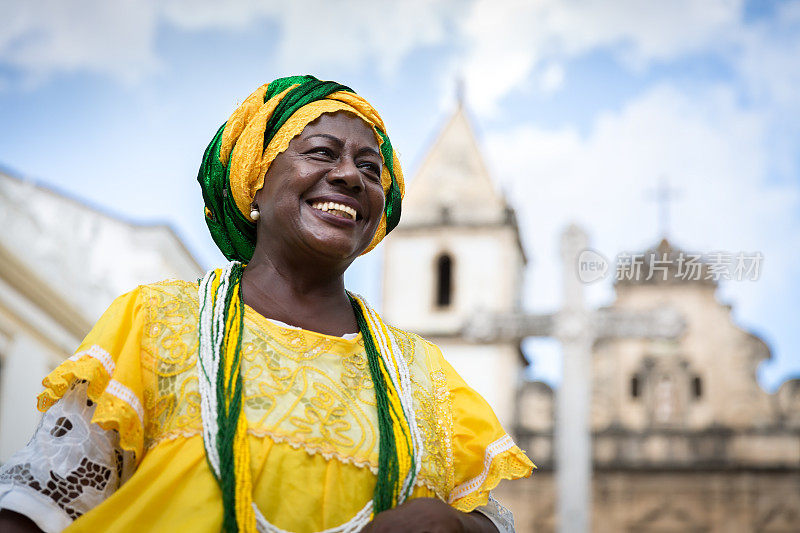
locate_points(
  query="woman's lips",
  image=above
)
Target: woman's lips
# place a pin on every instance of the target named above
(334, 216)
(337, 209)
(328, 202)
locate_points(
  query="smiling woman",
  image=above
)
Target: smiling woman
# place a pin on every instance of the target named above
(323, 191)
(266, 397)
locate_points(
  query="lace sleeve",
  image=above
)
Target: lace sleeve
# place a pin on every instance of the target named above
(69, 466)
(499, 515)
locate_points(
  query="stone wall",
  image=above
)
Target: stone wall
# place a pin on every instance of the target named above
(667, 501)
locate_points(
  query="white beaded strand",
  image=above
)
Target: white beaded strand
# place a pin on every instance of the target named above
(211, 336)
(389, 350)
(354, 525)
(207, 373)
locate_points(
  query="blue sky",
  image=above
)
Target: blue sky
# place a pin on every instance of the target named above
(580, 106)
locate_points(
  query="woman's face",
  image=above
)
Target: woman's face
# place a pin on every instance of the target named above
(323, 195)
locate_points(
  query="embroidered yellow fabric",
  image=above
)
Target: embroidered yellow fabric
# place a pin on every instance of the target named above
(310, 412)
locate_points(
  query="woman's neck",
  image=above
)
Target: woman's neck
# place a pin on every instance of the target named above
(308, 298)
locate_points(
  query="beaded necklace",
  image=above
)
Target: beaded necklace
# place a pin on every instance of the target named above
(219, 359)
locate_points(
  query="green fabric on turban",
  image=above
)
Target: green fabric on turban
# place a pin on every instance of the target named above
(229, 177)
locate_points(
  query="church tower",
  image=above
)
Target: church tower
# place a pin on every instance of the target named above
(457, 252)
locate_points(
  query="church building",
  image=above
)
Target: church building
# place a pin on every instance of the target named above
(683, 438)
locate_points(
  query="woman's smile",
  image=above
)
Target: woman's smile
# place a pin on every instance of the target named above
(342, 207)
(336, 207)
(332, 215)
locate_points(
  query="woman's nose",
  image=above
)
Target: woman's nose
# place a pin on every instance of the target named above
(346, 173)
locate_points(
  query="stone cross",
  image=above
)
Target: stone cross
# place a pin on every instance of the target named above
(663, 194)
(577, 328)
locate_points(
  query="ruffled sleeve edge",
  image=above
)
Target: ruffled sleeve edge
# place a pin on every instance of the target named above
(118, 407)
(502, 460)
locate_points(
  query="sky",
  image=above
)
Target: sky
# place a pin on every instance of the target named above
(580, 107)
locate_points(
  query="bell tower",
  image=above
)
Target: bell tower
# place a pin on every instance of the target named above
(456, 253)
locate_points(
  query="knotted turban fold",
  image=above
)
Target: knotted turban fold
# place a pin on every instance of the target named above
(239, 155)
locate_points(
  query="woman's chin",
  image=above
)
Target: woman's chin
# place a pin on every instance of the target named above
(330, 240)
(335, 247)
(335, 243)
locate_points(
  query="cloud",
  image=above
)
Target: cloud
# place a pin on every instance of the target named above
(43, 37)
(552, 78)
(318, 34)
(716, 153)
(768, 62)
(498, 46)
(350, 34)
(212, 14)
(508, 42)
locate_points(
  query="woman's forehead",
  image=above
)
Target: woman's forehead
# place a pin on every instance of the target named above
(342, 125)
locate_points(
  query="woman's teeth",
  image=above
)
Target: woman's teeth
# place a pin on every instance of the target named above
(340, 210)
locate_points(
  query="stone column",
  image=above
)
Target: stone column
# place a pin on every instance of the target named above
(573, 446)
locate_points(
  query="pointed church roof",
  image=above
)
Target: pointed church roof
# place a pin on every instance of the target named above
(665, 264)
(453, 184)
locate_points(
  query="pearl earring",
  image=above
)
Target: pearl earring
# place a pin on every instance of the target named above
(254, 213)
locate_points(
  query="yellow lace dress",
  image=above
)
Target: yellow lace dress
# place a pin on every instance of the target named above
(311, 413)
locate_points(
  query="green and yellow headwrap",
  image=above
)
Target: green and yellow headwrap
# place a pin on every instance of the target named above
(241, 152)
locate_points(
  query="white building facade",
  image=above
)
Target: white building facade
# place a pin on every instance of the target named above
(62, 263)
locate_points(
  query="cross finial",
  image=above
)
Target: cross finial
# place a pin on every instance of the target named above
(663, 194)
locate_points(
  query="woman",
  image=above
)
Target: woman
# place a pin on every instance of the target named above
(266, 397)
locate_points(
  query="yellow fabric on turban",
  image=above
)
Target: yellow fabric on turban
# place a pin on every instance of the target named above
(239, 156)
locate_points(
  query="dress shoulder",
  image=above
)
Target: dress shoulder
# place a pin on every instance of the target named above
(108, 360)
(482, 452)
(118, 357)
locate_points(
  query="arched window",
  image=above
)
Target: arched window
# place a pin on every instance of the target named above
(697, 387)
(635, 387)
(444, 280)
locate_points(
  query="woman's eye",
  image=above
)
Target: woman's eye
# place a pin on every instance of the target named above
(372, 168)
(321, 150)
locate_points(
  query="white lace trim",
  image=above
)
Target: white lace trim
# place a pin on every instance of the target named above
(38, 508)
(100, 354)
(501, 517)
(69, 466)
(494, 449)
(115, 388)
(346, 336)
